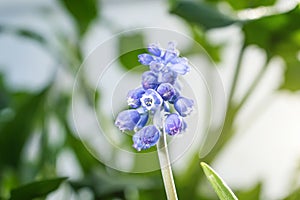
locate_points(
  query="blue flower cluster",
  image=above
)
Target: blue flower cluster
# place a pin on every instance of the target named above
(157, 107)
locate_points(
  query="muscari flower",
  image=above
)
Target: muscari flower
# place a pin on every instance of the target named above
(159, 98)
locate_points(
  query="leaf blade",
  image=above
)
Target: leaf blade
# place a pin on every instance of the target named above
(201, 14)
(83, 12)
(220, 187)
(36, 189)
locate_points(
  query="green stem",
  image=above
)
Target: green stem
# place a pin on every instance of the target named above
(235, 77)
(165, 167)
(254, 84)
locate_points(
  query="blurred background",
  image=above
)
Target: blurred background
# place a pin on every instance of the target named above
(65, 67)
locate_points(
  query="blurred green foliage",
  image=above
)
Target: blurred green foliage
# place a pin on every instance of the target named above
(130, 46)
(83, 12)
(24, 113)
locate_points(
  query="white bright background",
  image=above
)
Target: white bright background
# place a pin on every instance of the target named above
(267, 144)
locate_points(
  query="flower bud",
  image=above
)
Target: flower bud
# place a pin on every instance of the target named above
(173, 124)
(166, 91)
(146, 137)
(145, 59)
(127, 120)
(184, 106)
(155, 49)
(149, 80)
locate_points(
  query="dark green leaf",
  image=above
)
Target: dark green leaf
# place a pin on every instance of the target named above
(4, 96)
(15, 132)
(220, 187)
(201, 14)
(130, 46)
(251, 194)
(26, 33)
(278, 34)
(83, 12)
(36, 189)
(244, 4)
(31, 35)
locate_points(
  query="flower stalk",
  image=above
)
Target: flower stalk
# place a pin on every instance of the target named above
(165, 167)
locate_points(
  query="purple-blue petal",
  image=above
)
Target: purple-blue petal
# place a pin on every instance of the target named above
(174, 97)
(133, 97)
(169, 56)
(184, 106)
(151, 100)
(145, 59)
(157, 66)
(127, 120)
(146, 137)
(171, 53)
(155, 49)
(149, 80)
(142, 122)
(180, 66)
(173, 124)
(166, 91)
(167, 77)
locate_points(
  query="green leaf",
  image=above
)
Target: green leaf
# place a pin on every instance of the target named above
(26, 33)
(83, 12)
(30, 35)
(36, 189)
(4, 96)
(276, 32)
(14, 133)
(201, 14)
(244, 4)
(251, 194)
(292, 74)
(279, 35)
(220, 187)
(294, 196)
(130, 46)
